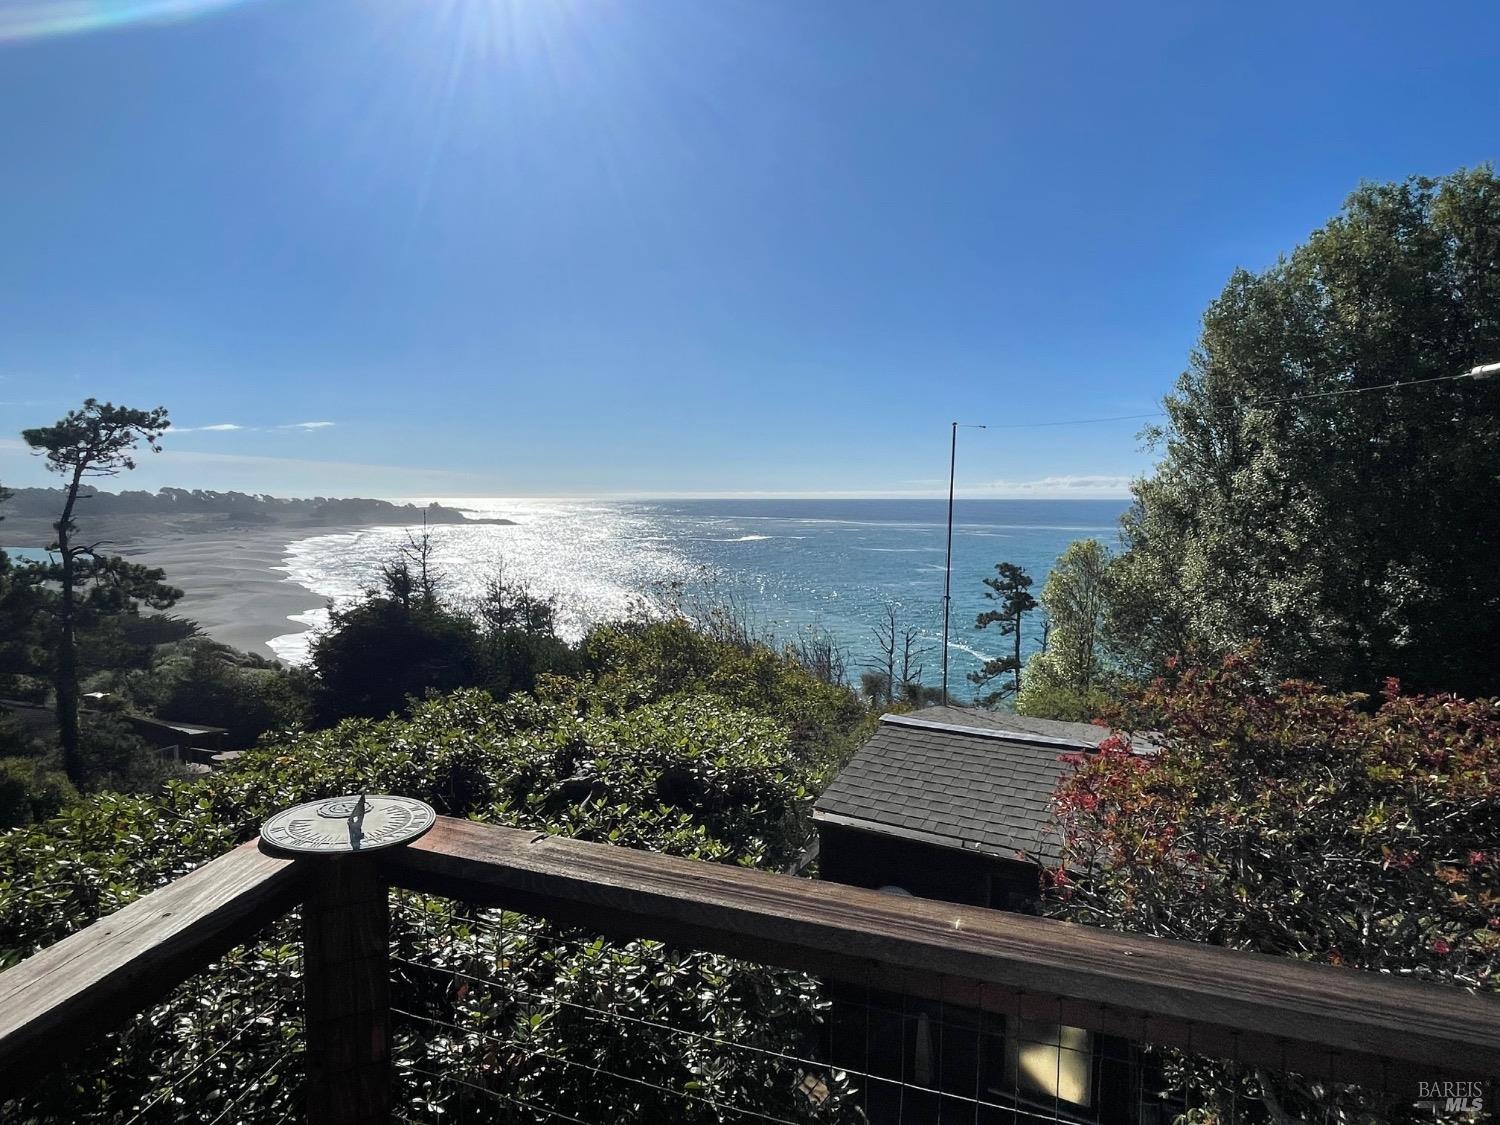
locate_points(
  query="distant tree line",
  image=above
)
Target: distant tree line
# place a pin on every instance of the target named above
(44, 503)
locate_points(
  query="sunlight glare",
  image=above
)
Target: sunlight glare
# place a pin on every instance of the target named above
(39, 19)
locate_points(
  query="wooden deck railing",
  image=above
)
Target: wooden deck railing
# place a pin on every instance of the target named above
(1328, 1022)
(58, 999)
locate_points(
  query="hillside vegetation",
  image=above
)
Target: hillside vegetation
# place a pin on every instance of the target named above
(669, 742)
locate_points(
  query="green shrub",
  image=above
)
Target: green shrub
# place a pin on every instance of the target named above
(379, 653)
(30, 792)
(660, 657)
(515, 659)
(115, 757)
(1057, 701)
(17, 739)
(580, 759)
(715, 764)
(205, 682)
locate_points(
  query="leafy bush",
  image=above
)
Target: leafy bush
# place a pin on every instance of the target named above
(613, 760)
(706, 780)
(18, 739)
(514, 659)
(1058, 701)
(380, 652)
(114, 757)
(656, 657)
(1297, 822)
(406, 640)
(30, 792)
(205, 682)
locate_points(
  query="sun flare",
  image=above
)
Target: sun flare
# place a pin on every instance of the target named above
(40, 19)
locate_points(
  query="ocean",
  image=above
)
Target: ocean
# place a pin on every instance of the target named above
(789, 565)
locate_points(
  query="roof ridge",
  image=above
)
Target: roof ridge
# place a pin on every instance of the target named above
(993, 734)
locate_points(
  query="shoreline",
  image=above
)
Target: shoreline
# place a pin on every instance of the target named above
(233, 583)
(233, 575)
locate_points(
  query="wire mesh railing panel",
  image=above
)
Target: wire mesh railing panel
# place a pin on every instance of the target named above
(224, 1048)
(505, 1017)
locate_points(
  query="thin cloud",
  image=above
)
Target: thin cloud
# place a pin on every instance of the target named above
(1081, 487)
(1093, 486)
(278, 476)
(227, 427)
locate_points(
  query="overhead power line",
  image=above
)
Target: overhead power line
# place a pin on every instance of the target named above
(1484, 371)
(1475, 373)
(1079, 421)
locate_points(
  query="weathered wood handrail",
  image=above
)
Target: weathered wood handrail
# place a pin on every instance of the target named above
(98, 977)
(1285, 1014)
(1319, 1020)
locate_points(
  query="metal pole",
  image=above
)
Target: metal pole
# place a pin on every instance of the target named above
(948, 563)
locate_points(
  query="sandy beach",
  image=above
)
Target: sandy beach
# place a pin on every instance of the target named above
(223, 550)
(230, 582)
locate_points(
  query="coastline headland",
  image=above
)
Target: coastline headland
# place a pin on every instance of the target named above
(224, 550)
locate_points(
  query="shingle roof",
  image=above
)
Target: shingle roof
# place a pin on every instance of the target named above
(968, 786)
(1005, 720)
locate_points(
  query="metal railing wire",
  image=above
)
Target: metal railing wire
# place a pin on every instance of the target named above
(504, 1017)
(222, 1048)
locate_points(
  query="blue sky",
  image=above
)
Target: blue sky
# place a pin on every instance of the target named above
(523, 247)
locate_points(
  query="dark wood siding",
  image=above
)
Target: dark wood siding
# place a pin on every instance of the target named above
(874, 860)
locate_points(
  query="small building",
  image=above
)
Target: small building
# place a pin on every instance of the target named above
(186, 743)
(950, 803)
(196, 747)
(955, 804)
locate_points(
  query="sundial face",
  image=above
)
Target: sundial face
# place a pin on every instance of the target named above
(344, 825)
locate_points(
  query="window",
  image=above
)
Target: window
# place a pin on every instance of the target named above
(1051, 1060)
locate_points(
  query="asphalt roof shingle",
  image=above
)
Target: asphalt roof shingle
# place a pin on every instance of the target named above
(970, 788)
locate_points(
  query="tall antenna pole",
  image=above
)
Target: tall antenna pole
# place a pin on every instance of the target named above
(948, 564)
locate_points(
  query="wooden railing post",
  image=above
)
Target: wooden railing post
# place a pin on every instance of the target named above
(346, 923)
(346, 943)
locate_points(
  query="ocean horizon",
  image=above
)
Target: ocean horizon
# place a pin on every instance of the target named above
(788, 565)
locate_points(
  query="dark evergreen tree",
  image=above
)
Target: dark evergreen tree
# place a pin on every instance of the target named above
(378, 654)
(1011, 587)
(97, 440)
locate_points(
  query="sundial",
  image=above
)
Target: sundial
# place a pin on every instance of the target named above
(344, 825)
